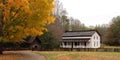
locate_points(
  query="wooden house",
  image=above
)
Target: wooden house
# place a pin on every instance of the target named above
(81, 39)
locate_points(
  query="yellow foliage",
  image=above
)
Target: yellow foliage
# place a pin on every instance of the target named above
(1, 5)
(24, 18)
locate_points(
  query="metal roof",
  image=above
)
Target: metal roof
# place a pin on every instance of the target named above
(32, 39)
(79, 33)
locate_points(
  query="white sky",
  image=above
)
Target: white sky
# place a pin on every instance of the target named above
(92, 12)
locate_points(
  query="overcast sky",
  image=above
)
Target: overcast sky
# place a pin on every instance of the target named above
(92, 12)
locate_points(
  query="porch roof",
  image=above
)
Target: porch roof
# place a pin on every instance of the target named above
(75, 40)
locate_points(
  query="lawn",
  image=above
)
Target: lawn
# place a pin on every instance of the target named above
(67, 55)
(111, 46)
(10, 55)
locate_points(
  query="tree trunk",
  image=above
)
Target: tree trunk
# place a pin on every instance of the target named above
(1, 49)
(1, 26)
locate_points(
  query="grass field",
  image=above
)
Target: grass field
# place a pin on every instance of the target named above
(111, 46)
(10, 56)
(66, 55)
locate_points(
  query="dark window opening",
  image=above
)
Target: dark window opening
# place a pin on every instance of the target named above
(36, 47)
(61, 43)
(65, 43)
(76, 43)
(85, 43)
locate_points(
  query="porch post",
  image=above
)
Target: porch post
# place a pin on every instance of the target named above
(72, 46)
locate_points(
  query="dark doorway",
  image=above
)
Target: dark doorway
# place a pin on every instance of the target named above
(85, 44)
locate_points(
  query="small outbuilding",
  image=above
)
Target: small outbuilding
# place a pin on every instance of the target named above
(81, 39)
(33, 43)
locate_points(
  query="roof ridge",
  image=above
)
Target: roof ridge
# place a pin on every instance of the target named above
(81, 31)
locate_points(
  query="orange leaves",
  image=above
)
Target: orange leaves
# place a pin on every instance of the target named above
(46, 9)
(11, 37)
(35, 31)
(50, 19)
(14, 7)
(18, 3)
(24, 18)
(1, 5)
(6, 14)
(23, 4)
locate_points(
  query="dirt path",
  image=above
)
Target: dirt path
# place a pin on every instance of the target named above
(21, 55)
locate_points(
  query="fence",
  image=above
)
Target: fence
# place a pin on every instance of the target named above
(80, 49)
(93, 49)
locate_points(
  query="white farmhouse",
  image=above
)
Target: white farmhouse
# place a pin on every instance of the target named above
(81, 39)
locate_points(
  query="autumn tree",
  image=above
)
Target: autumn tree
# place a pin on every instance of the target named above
(112, 37)
(22, 18)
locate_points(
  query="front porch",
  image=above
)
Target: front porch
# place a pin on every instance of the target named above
(85, 44)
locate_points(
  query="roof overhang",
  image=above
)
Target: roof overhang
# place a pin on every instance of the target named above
(75, 40)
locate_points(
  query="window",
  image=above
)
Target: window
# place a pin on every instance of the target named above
(97, 37)
(65, 43)
(94, 43)
(61, 43)
(69, 43)
(85, 43)
(82, 44)
(76, 43)
(98, 43)
(94, 37)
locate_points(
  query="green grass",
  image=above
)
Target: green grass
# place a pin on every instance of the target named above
(111, 46)
(67, 55)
